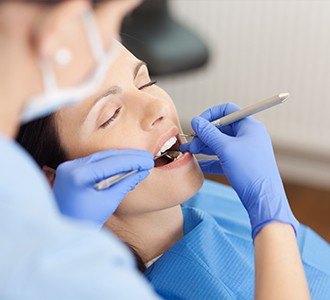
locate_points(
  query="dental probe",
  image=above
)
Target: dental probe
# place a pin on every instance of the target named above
(247, 111)
(104, 184)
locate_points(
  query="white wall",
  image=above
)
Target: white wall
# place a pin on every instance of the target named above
(259, 49)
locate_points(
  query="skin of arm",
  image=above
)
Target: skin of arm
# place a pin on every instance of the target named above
(258, 184)
(279, 270)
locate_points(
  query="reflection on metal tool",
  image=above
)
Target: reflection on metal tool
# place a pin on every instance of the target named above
(248, 111)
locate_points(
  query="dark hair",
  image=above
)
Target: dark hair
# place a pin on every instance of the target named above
(40, 138)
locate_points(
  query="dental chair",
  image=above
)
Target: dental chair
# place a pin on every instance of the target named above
(167, 46)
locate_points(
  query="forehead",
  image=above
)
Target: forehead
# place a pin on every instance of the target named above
(120, 74)
(121, 69)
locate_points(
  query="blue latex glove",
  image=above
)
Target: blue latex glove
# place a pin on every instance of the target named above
(245, 156)
(74, 183)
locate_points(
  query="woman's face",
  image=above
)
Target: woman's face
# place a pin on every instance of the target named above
(131, 112)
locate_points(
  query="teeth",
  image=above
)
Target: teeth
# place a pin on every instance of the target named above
(179, 155)
(167, 145)
(174, 155)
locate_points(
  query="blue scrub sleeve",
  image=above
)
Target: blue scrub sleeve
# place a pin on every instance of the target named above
(43, 255)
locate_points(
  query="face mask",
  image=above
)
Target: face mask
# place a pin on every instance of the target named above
(53, 97)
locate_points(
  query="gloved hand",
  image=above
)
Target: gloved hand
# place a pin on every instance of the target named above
(74, 183)
(246, 158)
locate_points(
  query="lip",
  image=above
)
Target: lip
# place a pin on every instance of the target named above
(164, 138)
(183, 160)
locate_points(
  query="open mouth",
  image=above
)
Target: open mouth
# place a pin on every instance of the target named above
(168, 153)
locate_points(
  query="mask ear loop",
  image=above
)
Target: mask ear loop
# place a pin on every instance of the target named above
(93, 34)
(54, 98)
(94, 37)
(95, 44)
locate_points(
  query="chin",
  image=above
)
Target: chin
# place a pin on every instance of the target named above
(163, 189)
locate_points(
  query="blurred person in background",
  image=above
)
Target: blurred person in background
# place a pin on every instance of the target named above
(44, 255)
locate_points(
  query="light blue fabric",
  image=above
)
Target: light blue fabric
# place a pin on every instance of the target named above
(43, 255)
(75, 180)
(215, 258)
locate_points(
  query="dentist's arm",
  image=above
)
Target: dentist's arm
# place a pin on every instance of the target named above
(279, 271)
(74, 183)
(46, 256)
(246, 158)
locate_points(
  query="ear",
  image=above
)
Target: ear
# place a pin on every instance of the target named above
(50, 174)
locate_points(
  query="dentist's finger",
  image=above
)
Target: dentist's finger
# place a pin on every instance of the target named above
(91, 173)
(220, 111)
(98, 156)
(210, 166)
(210, 135)
(196, 146)
(116, 152)
(120, 164)
(128, 184)
(120, 188)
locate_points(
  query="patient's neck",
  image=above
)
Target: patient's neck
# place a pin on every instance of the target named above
(151, 234)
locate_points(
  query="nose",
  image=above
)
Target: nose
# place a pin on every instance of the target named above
(154, 112)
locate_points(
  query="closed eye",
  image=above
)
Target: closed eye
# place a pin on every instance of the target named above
(113, 117)
(148, 84)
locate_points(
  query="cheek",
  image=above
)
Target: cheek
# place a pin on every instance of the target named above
(106, 139)
(119, 139)
(82, 148)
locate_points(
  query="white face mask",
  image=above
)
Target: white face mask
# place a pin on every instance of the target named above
(53, 97)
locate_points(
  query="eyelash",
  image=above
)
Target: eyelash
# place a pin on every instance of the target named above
(114, 116)
(152, 82)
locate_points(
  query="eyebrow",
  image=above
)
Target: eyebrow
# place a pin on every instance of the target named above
(114, 90)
